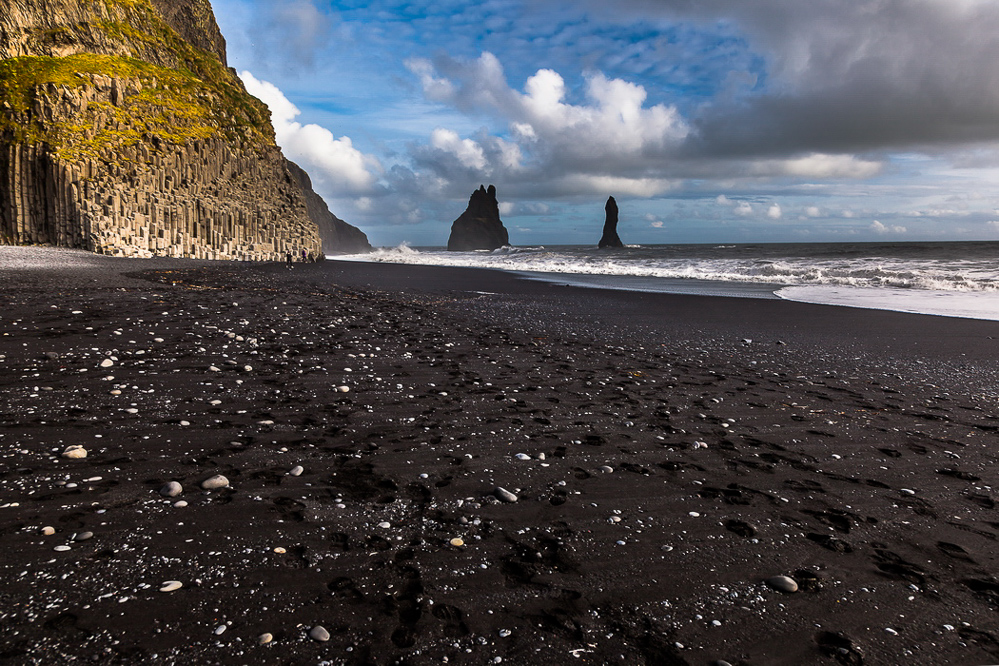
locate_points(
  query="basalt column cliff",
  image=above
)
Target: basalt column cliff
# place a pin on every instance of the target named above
(123, 132)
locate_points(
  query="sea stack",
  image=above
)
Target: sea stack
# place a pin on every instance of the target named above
(610, 237)
(480, 226)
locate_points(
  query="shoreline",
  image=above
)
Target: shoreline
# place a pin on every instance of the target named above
(673, 456)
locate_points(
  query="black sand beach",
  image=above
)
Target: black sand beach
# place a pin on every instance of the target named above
(667, 455)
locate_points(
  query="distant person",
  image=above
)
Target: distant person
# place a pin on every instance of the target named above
(288, 257)
(305, 256)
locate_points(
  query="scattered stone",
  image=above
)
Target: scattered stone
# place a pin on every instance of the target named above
(319, 633)
(61, 549)
(296, 470)
(264, 639)
(219, 630)
(457, 542)
(171, 586)
(782, 584)
(48, 531)
(74, 452)
(384, 525)
(171, 489)
(606, 469)
(280, 550)
(180, 504)
(107, 363)
(215, 482)
(522, 456)
(504, 495)
(83, 536)
(343, 389)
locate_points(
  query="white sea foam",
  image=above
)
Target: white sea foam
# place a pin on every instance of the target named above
(951, 279)
(961, 275)
(970, 305)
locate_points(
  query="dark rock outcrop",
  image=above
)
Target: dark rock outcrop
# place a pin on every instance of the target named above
(337, 236)
(123, 132)
(610, 237)
(480, 226)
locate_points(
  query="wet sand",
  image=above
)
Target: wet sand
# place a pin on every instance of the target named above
(668, 455)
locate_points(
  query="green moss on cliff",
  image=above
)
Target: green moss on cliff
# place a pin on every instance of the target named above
(170, 90)
(170, 105)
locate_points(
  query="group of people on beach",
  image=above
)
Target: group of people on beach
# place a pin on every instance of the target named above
(307, 257)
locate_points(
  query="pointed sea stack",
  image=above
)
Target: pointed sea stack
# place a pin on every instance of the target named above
(610, 237)
(480, 226)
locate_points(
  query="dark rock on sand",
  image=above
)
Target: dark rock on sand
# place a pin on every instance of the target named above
(610, 237)
(480, 226)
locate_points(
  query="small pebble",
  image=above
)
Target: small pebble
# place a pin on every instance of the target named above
(504, 495)
(296, 470)
(343, 389)
(384, 525)
(171, 489)
(215, 482)
(522, 456)
(48, 531)
(264, 639)
(61, 549)
(279, 550)
(107, 363)
(319, 633)
(171, 586)
(83, 536)
(782, 584)
(504, 633)
(180, 504)
(219, 630)
(607, 469)
(457, 542)
(74, 452)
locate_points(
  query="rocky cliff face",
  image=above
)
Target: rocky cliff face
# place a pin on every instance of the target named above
(480, 226)
(337, 236)
(124, 133)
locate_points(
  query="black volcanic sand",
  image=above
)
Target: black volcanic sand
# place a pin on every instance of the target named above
(692, 448)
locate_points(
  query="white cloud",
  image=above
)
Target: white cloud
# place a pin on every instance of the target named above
(332, 161)
(879, 228)
(602, 138)
(818, 165)
(467, 152)
(774, 212)
(813, 211)
(723, 200)
(744, 208)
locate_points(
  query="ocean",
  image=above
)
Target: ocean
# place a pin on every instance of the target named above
(954, 279)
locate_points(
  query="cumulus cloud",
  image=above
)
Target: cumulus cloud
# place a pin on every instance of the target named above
(813, 211)
(774, 212)
(879, 228)
(848, 75)
(331, 161)
(743, 209)
(599, 142)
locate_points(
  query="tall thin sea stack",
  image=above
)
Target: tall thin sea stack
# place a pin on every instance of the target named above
(480, 226)
(610, 237)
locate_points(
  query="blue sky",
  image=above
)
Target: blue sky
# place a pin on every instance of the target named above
(709, 121)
